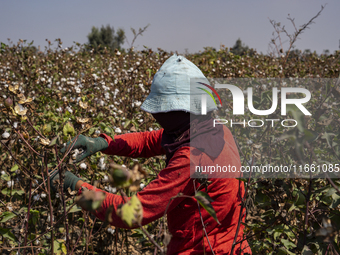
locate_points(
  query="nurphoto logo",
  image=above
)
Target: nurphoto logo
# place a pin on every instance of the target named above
(238, 99)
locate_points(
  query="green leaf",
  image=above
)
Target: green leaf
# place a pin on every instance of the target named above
(288, 244)
(292, 208)
(53, 141)
(102, 125)
(310, 135)
(90, 200)
(328, 137)
(7, 216)
(205, 201)
(298, 116)
(127, 123)
(34, 216)
(108, 130)
(335, 201)
(131, 212)
(19, 192)
(120, 176)
(284, 251)
(6, 233)
(91, 130)
(277, 233)
(57, 247)
(289, 134)
(14, 168)
(68, 129)
(6, 177)
(63, 248)
(74, 209)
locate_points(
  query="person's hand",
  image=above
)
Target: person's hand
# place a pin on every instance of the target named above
(88, 144)
(70, 181)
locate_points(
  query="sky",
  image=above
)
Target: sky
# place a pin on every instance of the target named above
(177, 25)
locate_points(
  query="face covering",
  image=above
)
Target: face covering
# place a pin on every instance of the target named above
(173, 122)
(185, 129)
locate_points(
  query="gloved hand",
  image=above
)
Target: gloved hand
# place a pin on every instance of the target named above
(88, 144)
(70, 181)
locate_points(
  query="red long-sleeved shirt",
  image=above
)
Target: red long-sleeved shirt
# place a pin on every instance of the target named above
(183, 217)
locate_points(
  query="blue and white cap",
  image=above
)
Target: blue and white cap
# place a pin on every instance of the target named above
(175, 87)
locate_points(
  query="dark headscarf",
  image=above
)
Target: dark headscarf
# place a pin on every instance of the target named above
(185, 129)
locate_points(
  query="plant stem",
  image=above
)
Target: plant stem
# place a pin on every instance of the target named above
(50, 202)
(151, 239)
(203, 226)
(28, 215)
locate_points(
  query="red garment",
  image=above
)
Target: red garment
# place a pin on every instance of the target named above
(183, 217)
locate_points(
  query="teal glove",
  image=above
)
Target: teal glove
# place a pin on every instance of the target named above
(88, 144)
(70, 181)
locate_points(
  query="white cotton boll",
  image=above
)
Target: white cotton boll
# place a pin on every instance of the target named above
(36, 197)
(75, 154)
(111, 231)
(83, 166)
(124, 165)
(5, 135)
(150, 129)
(42, 79)
(102, 165)
(3, 172)
(34, 183)
(43, 195)
(142, 87)
(120, 111)
(142, 185)
(118, 130)
(68, 108)
(106, 178)
(15, 124)
(111, 189)
(97, 132)
(10, 184)
(78, 90)
(140, 121)
(49, 218)
(138, 103)
(249, 142)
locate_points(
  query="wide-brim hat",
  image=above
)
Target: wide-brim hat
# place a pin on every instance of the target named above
(178, 86)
